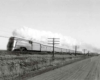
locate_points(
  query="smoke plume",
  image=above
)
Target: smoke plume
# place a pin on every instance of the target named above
(42, 37)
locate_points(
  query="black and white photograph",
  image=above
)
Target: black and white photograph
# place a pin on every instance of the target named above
(49, 39)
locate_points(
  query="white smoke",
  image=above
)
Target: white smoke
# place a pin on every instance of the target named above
(42, 37)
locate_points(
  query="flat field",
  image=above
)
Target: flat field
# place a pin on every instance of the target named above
(22, 66)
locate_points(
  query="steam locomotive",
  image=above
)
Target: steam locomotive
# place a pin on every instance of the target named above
(19, 44)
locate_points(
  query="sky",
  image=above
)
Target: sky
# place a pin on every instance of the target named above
(78, 19)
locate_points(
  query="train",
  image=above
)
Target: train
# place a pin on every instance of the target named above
(20, 44)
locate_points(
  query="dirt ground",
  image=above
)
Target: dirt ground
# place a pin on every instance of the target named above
(88, 69)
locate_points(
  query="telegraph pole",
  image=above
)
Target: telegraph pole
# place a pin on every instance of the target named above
(84, 51)
(61, 50)
(53, 41)
(88, 53)
(76, 47)
(31, 44)
(40, 47)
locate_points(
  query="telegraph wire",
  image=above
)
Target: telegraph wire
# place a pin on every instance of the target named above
(4, 36)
